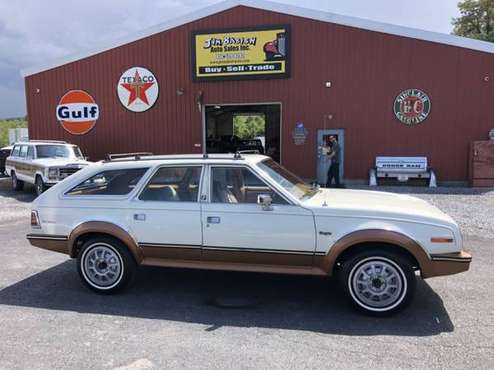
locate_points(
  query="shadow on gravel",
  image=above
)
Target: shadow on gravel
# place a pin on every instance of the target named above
(275, 301)
(27, 195)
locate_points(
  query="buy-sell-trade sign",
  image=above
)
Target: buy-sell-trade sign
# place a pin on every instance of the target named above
(241, 53)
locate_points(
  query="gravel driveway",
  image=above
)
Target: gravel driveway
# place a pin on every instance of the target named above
(473, 209)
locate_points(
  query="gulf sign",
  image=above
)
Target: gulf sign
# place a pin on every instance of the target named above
(77, 112)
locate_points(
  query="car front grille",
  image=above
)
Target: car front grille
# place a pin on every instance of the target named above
(67, 171)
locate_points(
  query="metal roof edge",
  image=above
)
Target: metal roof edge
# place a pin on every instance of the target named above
(344, 20)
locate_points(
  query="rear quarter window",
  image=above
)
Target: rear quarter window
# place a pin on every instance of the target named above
(112, 182)
(15, 151)
(23, 152)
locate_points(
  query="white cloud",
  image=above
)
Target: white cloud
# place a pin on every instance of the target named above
(33, 32)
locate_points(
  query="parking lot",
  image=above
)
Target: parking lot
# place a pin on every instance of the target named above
(171, 318)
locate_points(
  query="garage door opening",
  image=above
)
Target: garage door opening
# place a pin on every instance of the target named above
(244, 129)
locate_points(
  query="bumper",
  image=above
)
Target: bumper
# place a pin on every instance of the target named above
(55, 243)
(447, 264)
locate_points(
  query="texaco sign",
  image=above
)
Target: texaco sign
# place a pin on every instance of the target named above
(138, 89)
(412, 106)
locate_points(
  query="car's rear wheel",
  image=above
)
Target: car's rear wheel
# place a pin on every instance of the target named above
(40, 185)
(378, 282)
(17, 184)
(105, 265)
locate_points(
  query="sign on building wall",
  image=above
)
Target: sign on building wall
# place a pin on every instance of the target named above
(77, 112)
(299, 133)
(412, 106)
(138, 89)
(241, 53)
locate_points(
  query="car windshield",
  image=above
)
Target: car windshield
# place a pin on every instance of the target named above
(290, 182)
(77, 152)
(58, 151)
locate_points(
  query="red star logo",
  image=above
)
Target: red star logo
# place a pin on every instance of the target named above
(137, 89)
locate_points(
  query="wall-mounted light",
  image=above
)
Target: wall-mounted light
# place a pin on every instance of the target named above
(180, 91)
(486, 78)
(330, 116)
(37, 91)
(328, 84)
(199, 99)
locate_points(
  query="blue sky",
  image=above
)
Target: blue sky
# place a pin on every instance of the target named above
(33, 32)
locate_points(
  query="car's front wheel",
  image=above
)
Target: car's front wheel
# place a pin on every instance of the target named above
(378, 282)
(40, 185)
(105, 265)
(17, 184)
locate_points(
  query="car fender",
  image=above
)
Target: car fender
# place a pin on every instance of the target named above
(105, 227)
(328, 261)
(40, 173)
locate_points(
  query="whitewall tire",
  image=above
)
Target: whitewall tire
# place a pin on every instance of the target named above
(378, 282)
(105, 265)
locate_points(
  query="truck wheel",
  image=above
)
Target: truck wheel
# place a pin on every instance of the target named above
(40, 185)
(17, 184)
(378, 282)
(105, 265)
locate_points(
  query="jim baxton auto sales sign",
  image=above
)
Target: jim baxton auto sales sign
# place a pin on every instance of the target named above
(241, 53)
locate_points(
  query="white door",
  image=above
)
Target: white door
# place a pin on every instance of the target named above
(234, 222)
(166, 215)
(21, 165)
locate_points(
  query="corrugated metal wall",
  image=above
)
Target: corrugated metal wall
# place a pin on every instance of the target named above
(367, 71)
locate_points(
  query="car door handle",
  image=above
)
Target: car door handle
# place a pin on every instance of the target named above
(139, 217)
(213, 220)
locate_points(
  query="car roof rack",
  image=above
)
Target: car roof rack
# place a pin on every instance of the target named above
(145, 156)
(135, 156)
(48, 141)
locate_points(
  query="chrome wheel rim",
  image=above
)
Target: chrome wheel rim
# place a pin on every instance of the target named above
(102, 266)
(377, 284)
(39, 187)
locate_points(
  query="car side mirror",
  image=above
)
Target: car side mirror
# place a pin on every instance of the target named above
(265, 201)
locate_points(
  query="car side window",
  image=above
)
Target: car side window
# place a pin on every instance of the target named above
(15, 151)
(173, 184)
(30, 152)
(23, 151)
(111, 182)
(239, 185)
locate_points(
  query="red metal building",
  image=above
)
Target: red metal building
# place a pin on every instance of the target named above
(341, 73)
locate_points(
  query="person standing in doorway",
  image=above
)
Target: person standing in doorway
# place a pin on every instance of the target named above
(334, 168)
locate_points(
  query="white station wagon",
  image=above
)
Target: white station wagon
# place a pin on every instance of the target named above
(243, 213)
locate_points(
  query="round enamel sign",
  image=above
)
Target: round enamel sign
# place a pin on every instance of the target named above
(138, 89)
(77, 112)
(412, 106)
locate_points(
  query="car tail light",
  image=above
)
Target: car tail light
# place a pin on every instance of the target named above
(35, 219)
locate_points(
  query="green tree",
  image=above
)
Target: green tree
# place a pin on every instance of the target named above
(248, 127)
(5, 124)
(476, 20)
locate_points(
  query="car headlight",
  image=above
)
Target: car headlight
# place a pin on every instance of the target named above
(53, 173)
